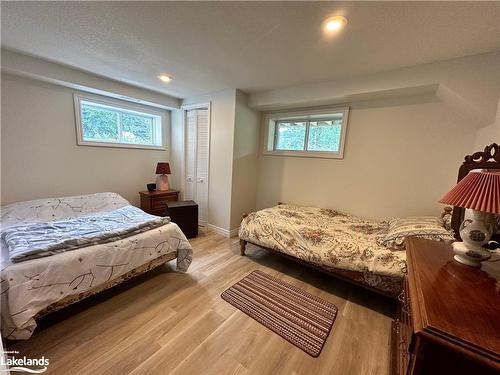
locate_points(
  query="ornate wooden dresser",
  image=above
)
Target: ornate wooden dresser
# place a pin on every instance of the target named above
(448, 315)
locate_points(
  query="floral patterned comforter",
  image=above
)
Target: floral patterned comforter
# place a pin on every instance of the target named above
(336, 241)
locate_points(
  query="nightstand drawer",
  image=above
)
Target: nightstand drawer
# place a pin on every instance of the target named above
(155, 202)
(159, 212)
(161, 202)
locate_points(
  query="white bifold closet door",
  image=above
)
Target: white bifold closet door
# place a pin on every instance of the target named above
(197, 159)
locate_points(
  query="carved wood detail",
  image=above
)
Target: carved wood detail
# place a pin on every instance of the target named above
(490, 152)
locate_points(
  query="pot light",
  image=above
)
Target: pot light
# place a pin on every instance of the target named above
(164, 78)
(335, 23)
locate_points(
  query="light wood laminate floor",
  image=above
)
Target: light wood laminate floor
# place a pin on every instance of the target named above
(166, 322)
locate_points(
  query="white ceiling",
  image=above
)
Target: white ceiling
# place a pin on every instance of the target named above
(253, 46)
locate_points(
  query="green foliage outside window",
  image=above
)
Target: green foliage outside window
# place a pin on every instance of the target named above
(321, 135)
(291, 136)
(99, 123)
(324, 135)
(104, 124)
(137, 129)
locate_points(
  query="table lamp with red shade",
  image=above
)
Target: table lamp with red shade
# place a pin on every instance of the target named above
(162, 170)
(480, 192)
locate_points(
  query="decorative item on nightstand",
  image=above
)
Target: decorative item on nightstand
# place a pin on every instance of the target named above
(479, 191)
(162, 169)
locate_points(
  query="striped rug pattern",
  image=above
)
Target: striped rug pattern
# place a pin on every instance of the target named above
(299, 317)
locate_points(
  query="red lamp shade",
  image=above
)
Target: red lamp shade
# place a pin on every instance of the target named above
(162, 168)
(479, 191)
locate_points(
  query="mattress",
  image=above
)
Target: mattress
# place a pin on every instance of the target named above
(329, 239)
(30, 286)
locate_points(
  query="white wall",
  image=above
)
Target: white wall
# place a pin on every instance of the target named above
(40, 157)
(488, 134)
(177, 150)
(245, 160)
(469, 86)
(399, 160)
(28, 66)
(222, 114)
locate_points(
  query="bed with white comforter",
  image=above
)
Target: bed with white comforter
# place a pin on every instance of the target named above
(73, 255)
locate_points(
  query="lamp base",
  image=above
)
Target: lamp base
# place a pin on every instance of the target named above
(162, 183)
(471, 257)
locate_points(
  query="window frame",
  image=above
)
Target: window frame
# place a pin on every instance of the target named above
(271, 121)
(120, 107)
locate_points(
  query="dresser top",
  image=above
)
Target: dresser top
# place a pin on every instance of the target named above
(452, 301)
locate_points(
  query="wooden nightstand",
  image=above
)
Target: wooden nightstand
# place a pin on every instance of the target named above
(448, 316)
(155, 202)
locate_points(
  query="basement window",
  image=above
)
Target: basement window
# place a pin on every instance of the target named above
(110, 123)
(314, 133)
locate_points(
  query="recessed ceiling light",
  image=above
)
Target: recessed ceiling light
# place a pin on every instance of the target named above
(164, 78)
(335, 23)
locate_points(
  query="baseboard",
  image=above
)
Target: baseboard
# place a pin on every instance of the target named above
(234, 232)
(219, 230)
(222, 231)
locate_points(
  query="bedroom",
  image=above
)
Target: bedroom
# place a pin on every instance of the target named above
(362, 110)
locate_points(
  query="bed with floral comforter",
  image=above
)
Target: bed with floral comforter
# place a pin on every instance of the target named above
(336, 242)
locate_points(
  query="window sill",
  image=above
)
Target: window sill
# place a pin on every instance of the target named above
(121, 145)
(306, 154)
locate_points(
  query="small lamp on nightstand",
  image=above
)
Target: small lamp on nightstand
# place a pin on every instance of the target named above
(479, 191)
(162, 169)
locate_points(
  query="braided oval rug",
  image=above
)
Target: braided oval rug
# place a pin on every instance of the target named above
(299, 317)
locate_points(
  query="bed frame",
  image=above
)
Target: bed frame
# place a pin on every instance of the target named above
(69, 300)
(489, 158)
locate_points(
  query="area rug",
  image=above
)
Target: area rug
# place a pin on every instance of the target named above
(299, 317)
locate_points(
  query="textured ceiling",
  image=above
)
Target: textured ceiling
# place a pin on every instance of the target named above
(253, 46)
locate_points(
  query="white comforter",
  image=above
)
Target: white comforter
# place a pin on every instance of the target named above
(31, 241)
(30, 286)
